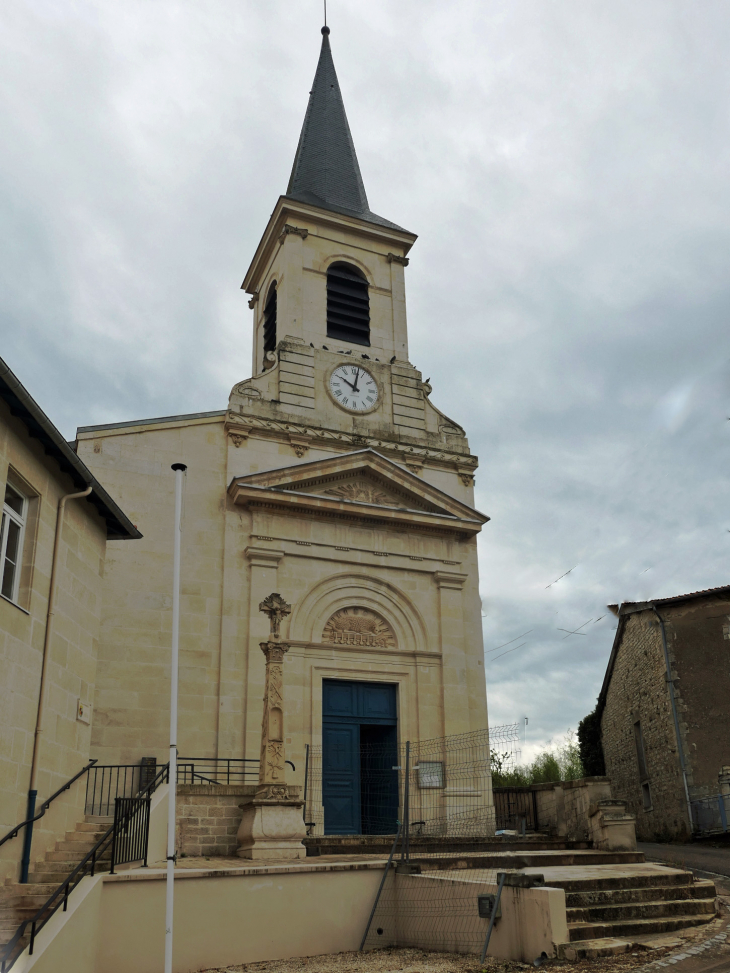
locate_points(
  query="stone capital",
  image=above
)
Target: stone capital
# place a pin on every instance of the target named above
(274, 651)
(449, 579)
(263, 557)
(296, 230)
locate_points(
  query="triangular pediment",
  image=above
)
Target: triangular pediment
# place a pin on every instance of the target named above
(364, 481)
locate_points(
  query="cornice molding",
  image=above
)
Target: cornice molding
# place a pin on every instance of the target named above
(244, 425)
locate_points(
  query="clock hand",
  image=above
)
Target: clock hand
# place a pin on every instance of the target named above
(357, 375)
(353, 387)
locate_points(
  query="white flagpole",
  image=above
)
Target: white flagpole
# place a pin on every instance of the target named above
(179, 469)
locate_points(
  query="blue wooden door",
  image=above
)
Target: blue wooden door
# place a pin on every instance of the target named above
(359, 750)
(341, 778)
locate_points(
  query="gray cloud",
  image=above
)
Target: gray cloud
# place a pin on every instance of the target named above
(566, 166)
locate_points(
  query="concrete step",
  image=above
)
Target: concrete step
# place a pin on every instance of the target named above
(652, 879)
(633, 928)
(76, 849)
(592, 949)
(83, 837)
(57, 878)
(537, 859)
(93, 827)
(641, 910)
(377, 844)
(71, 857)
(699, 890)
(99, 819)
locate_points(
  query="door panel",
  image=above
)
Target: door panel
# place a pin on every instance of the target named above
(341, 778)
(339, 698)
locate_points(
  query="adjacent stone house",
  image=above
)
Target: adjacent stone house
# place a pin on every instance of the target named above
(665, 719)
(50, 537)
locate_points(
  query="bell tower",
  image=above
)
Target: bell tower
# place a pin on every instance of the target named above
(327, 285)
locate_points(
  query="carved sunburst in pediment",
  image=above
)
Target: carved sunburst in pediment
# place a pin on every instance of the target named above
(363, 493)
(358, 626)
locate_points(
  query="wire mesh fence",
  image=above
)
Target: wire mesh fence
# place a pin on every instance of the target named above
(711, 814)
(440, 891)
(356, 785)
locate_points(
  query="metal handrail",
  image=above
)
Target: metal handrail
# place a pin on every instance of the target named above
(60, 896)
(14, 832)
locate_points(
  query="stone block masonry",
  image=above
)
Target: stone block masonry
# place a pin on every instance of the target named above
(208, 817)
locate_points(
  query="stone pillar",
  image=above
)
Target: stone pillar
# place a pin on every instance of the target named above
(272, 826)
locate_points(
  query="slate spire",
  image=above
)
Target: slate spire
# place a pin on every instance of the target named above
(326, 171)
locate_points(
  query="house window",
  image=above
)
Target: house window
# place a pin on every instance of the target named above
(15, 512)
(643, 771)
(270, 320)
(348, 305)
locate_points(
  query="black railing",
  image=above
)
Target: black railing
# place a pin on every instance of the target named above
(107, 782)
(14, 832)
(131, 833)
(218, 770)
(123, 837)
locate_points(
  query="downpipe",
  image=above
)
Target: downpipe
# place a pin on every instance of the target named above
(33, 788)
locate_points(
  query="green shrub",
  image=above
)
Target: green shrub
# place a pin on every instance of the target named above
(559, 762)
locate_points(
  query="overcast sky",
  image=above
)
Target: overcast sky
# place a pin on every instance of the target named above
(565, 165)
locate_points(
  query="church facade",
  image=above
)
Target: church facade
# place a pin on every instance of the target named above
(330, 477)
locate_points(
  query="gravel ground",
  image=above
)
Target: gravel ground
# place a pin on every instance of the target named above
(417, 961)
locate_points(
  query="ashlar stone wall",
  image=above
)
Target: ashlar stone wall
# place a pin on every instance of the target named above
(208, 818)
(638, 691)
(72, 654)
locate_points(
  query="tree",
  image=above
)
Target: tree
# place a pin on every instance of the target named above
(561, 762)
(591, 744)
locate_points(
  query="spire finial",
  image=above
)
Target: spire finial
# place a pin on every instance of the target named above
(325, 15)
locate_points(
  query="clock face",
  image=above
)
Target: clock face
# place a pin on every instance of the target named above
(354, 388)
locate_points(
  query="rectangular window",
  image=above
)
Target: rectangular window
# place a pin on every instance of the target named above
(643, 771)
(12, 531)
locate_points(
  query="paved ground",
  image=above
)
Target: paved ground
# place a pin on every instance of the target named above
(697, 855)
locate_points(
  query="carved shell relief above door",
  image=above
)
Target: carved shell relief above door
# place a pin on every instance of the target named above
(358, 626)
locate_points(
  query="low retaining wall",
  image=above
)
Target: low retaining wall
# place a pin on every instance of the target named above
(582, 810)
(116, 923)
(439, 912)
(208, 817)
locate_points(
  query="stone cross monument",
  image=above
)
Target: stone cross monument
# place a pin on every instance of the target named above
(272, 766)
(272, 826)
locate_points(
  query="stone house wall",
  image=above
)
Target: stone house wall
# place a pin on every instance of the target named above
(698, 635)
(72, 658)
(698, 644)
(638, 692)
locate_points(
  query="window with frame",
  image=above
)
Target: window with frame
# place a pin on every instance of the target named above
(270, 321)
(348, 304)
(643, 770)
(12, 533)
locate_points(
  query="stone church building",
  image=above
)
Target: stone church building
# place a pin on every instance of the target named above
(329, 476)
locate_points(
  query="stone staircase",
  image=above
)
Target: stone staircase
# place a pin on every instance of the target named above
(608, 915)
(20, 902)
